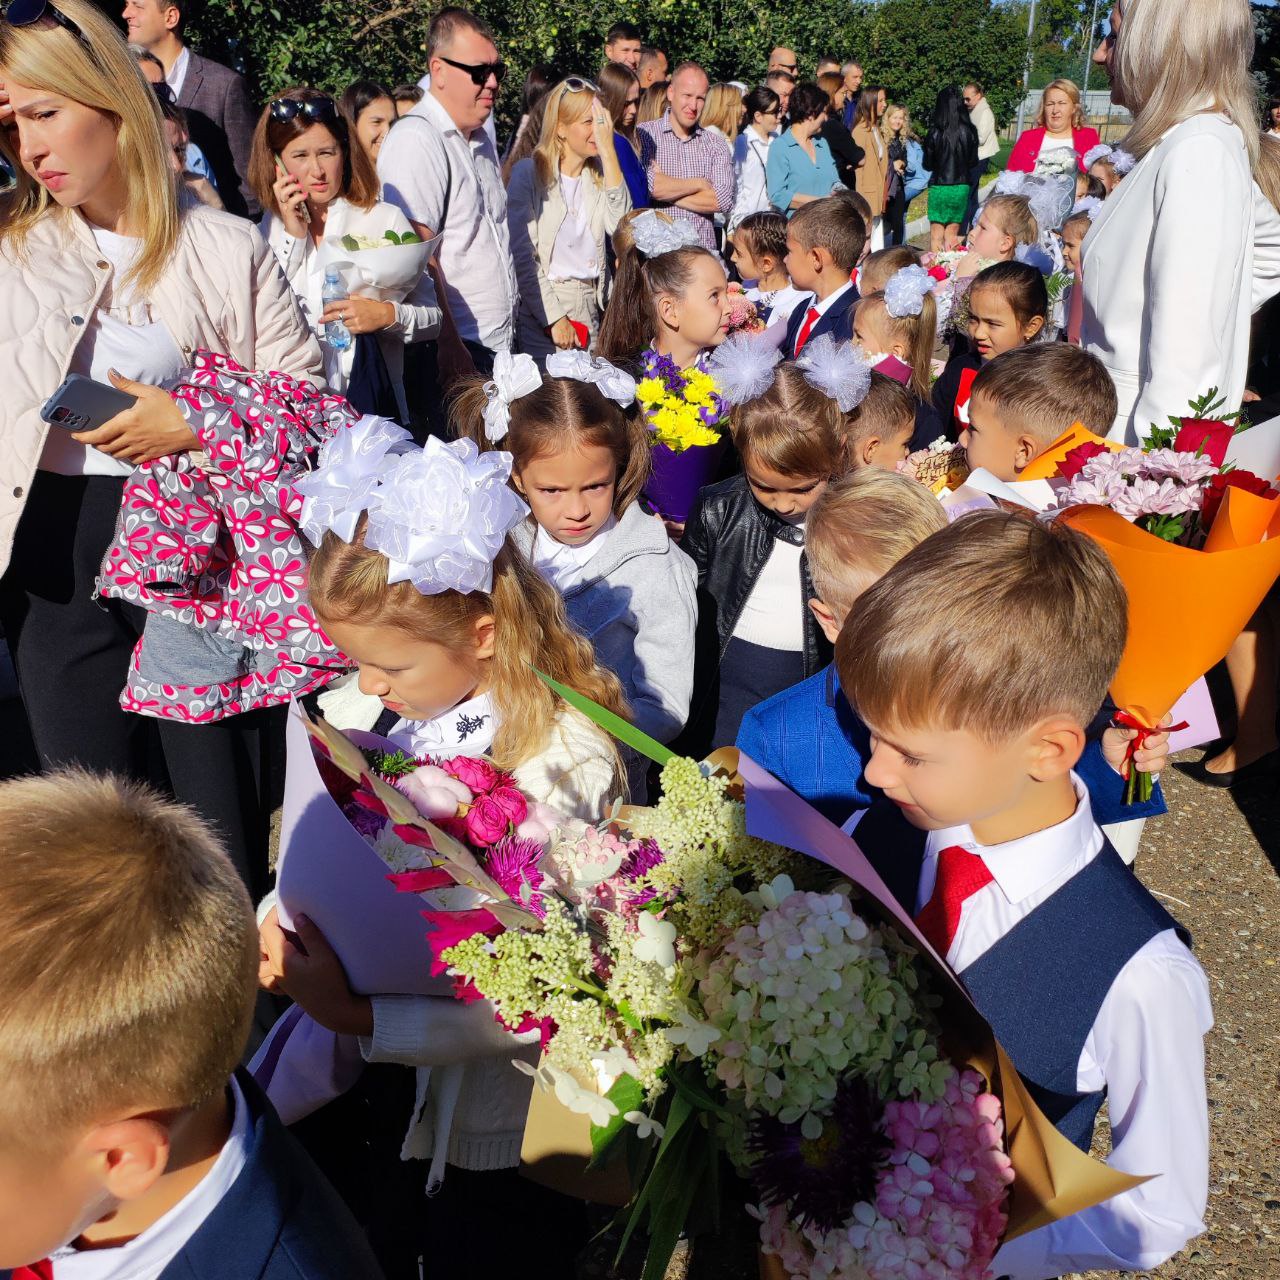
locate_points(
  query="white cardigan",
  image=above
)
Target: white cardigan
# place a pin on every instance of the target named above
(1180, 256)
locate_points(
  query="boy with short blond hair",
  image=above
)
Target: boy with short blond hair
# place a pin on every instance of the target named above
(1024, 400)
(825, 239)
(977, 662)
(129, 954)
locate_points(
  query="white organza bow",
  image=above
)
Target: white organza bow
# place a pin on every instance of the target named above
(743, 368)
(614, 383)
(837, 369)
(513, 377)
(905, 289)
(654, 234)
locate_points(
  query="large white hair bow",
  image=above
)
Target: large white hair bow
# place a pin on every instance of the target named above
(1091, 157)
(442, 514)
(905, 290)
(1122, 161)
(743, 368)
(837, 369)
(1010, 183)
(1087, 204)
(513, 377)
(654, 235)
(350, 468)
(615, 384)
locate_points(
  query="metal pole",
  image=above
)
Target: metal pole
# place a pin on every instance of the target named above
(1088, 57)
(1026, 69)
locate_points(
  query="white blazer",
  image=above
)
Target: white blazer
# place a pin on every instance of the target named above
(750, 155)
(1182, 253)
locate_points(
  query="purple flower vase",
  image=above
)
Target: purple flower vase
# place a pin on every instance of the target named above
(677, 477)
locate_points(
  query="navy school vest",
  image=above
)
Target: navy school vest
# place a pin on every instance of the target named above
(1041, 985)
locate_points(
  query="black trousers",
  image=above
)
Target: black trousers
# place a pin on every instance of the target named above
(71, 654)
(895, 219)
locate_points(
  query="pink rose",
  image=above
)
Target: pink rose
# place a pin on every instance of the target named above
(486, 822)
(477, 774)
(512, 803)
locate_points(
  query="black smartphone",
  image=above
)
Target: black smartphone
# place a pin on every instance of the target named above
(81, 404)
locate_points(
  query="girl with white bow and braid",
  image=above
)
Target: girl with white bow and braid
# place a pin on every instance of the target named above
(746, 534)
(418, 580)
(897, 328)
(580, 456)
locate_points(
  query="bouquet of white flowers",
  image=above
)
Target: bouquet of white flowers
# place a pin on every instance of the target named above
(384, 266)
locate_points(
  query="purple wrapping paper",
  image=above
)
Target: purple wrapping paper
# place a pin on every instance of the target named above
(677, 477)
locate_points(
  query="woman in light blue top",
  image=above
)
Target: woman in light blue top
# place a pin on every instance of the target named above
(800, 167)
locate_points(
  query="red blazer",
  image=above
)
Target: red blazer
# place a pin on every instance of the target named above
(1027, 148)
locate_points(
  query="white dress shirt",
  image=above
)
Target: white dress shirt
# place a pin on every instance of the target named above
(467, 729)
(176, 76)
(573, 255)
(562, 565)
(454, 185)
(830, 300)
(750, 155)
(1146, 1048)
(146, 1256)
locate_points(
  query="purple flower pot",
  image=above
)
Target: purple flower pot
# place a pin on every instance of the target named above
(677, 477)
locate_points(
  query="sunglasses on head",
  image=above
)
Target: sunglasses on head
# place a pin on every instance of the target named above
(319, 110)
(24, 13)
(478, 71)
(576, 84)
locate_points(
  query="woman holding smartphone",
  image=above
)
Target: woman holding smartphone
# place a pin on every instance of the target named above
(561, 204)
(317, 188)
(105, 273)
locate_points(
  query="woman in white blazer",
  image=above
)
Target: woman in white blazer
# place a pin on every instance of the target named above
(562, 202)
(1183, 251)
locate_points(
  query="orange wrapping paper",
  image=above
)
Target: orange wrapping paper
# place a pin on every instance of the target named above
(1045, 465)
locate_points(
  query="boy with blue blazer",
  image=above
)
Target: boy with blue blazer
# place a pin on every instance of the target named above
(810, 738)
(130, 1143)
(825, 239)
(977, 662)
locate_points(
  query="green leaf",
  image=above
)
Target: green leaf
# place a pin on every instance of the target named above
(410, 237)
(350, 244)
(392, 236)
(610, 723)
(670, 1156)
(627, 1095)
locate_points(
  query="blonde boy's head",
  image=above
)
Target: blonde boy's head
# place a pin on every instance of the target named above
(1023, 400)
(858, 530)
(976, 662)
(128, 951)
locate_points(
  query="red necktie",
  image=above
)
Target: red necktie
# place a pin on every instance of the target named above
(960, 875)
(36, 1271)
(803, 336)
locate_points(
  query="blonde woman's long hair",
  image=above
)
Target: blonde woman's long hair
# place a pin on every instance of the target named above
(886, 133)
(1167, 64)
(348, 583)
(1072, 90)
(561, 107)
(48, 57)
(723, 109)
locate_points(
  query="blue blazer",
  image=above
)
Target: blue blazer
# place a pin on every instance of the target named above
(837, 320)
(810, 738)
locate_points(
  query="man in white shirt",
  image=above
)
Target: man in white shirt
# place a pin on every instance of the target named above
(220, 116)
(984, 121)
(440, 166)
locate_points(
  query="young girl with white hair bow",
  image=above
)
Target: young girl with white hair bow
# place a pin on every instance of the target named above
(580, 456)
(418, 580)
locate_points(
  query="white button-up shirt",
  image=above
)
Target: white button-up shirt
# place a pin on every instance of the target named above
(453, 184)
(1146, 1047)
(176, 76)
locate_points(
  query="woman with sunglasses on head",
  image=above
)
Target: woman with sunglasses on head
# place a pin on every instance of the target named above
(562, 203)
(107, 273)
(318, 188)
(620, 95)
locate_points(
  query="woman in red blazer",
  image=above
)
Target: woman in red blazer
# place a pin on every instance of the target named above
(1061, 121)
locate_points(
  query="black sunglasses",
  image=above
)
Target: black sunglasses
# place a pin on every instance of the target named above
(322, 110)
(23, 13)
(1104, 35)
(478, 71)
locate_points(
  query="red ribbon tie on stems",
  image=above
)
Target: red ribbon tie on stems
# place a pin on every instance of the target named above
(1139, 784)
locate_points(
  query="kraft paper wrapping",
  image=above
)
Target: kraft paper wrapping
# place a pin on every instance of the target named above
(1185, 607)
(1045, 465)
(1054, 1178)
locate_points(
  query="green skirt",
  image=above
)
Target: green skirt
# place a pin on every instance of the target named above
(948, 204)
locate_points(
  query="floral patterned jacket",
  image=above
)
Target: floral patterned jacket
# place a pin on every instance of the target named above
(208, 543)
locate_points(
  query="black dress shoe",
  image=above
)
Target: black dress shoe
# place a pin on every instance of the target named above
(1262, 769)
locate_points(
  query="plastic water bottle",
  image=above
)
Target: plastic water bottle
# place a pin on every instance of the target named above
(336, 334)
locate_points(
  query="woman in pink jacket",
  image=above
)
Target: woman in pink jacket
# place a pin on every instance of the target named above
(103, 273)
(1060, 124)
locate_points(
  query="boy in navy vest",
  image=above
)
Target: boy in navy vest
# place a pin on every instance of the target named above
(976, 663)
(129, 1143)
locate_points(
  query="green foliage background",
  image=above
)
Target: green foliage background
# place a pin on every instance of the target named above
(912, 46)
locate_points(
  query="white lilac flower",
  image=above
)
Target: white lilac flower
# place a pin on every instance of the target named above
(646, 1126)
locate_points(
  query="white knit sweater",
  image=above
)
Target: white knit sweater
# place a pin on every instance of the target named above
(471, 1102)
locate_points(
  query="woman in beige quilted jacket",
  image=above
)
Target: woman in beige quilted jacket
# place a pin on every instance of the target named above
(105, 275)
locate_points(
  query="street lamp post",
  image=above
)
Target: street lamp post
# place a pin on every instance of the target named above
(1026, 69)
(1088, 57)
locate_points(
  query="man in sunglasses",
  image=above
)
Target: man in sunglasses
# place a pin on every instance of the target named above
(219, 114)
(782, 59)
(440, 166)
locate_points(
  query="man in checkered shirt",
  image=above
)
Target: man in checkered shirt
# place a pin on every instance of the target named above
(690, 170)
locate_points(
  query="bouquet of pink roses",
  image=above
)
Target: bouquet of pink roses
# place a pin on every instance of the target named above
(744, 315)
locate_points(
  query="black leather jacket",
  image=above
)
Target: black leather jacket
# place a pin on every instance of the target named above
(950, 157)
(729, 535)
